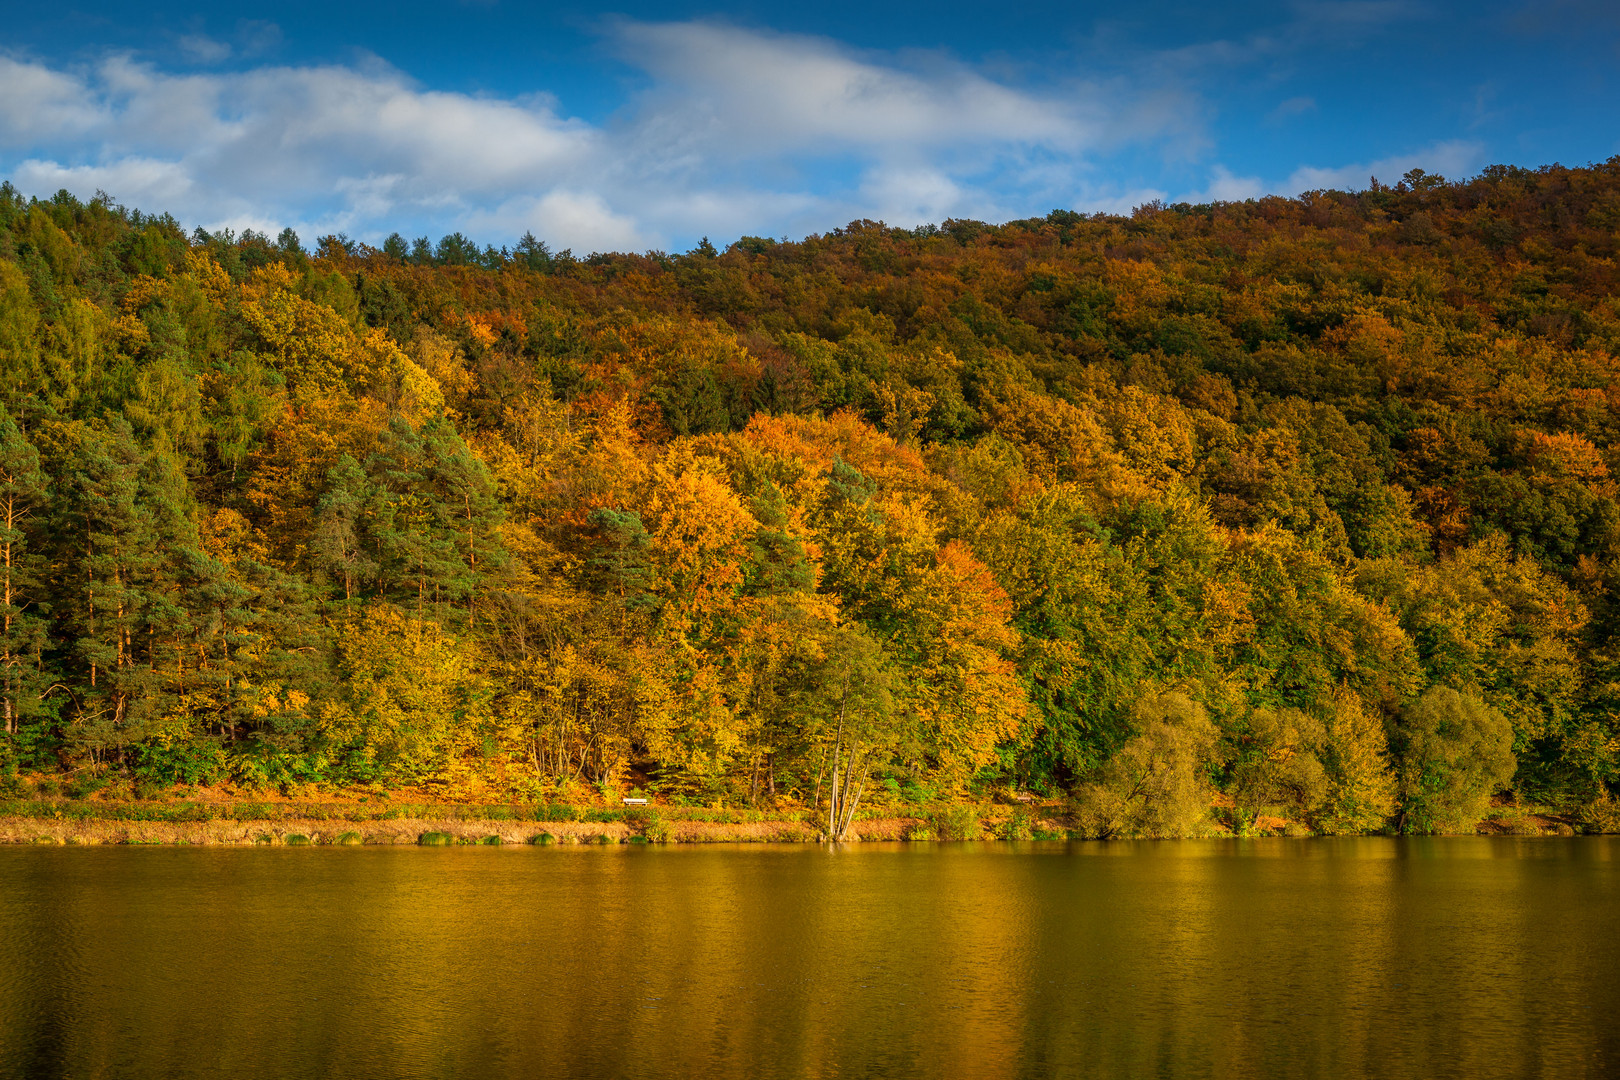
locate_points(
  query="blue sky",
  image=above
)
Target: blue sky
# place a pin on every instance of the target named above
(647, 126)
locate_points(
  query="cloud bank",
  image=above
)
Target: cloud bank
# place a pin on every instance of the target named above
(735, 131)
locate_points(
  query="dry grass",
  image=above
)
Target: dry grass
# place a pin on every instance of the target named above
(405, 831)
(327, 826)
(1526, 824)
(400, 831)
(200, 821)
(884, 828)
(760, 832)
(15, 830)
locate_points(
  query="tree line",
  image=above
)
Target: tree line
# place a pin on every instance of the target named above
(1303, 506)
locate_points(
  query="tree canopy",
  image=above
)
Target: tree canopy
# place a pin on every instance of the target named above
(1303, 503)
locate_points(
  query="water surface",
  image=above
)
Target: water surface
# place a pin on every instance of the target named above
(1462, 957)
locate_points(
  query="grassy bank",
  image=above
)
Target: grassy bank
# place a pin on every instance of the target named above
(193, 821)
(430, 831)
(85, 821)
(93, 821)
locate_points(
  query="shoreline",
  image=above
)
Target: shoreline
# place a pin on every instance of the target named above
(443, 831)
(396, 832)
(608, 828)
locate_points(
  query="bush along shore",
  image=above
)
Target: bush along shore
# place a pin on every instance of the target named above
(71, 821)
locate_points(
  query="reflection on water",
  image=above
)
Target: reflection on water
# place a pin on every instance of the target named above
(1465, 957)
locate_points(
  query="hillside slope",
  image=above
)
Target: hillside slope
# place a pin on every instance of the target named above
(1307, 500)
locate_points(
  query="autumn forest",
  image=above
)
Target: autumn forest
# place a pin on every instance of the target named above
(1290, 510)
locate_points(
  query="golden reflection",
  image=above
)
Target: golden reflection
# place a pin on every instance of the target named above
(1331, 958)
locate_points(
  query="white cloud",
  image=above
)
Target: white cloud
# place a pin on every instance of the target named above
(146, 182)
(1225, 187)
(741, 131)
(919, 136)
(1450, 159)
(1453, 159)
(763, 92)
(728, 211)
(203, 49)
(738, 131)
(36, 102)
(361, 145)
(579, 220)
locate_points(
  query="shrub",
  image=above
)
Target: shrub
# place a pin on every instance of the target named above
(916, 793)
(649, 824)
(82, 787)
(349, 839)
(1277, 767)
(541, 839)
(1017, 827)
(296, 840)
(1156, 785)
(957, 823)
(435, 839)
(918, 831)
(1601, 815)
(1361, 785)
(179, 758)
(1456, 752)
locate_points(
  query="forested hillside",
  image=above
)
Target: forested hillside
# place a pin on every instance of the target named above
(1305, 502)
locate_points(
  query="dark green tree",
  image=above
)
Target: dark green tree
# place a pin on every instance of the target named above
(23, 629)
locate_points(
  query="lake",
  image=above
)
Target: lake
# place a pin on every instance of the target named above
(1457, 957)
